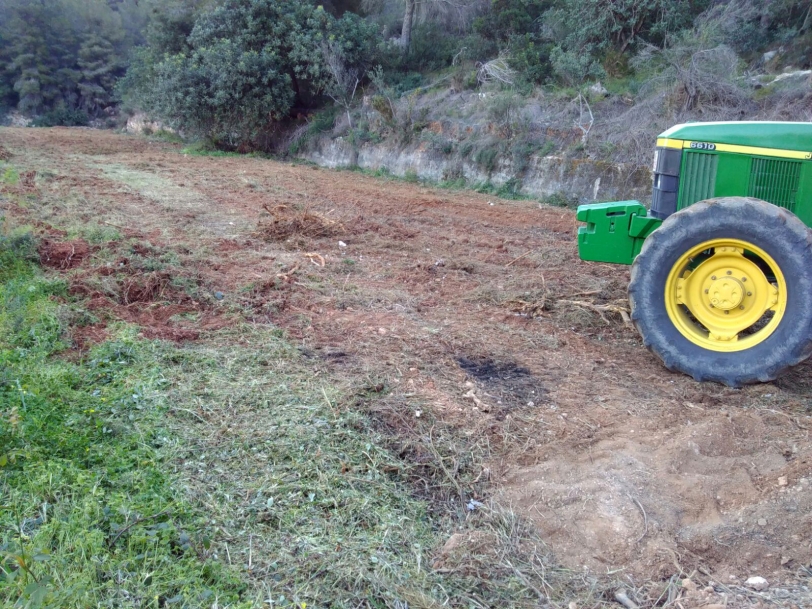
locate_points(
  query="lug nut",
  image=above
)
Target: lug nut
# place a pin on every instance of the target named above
(749, 293)
(713, 276)
(727, 312)
(742, 307)
(730, 272)
(707, 291)
(744, 278)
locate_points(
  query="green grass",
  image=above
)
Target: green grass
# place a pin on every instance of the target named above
(169, 137)
(9, 174)
(202, 148)
(88, 513)
(509, 190)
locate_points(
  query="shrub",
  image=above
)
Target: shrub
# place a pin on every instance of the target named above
(248, 63)
(63, 117)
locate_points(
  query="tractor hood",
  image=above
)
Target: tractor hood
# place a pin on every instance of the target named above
(784, 136)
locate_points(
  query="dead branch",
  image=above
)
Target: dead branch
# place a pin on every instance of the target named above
(496, 70)
(480, 404)
(601, 309)
(582, 102)
(315, 258)
(515, 260)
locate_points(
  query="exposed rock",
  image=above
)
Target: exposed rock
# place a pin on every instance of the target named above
(15, 119)
(584, 179)
(139, 123)
(598, 89)
(768, 56)
(757, 583)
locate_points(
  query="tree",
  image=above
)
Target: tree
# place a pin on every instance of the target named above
(99, 65)
(586, 31)
(63, 54)
(246, 64)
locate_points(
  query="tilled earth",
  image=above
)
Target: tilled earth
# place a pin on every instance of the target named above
(470, 309)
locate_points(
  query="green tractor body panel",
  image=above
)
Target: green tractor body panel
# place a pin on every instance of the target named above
(766, 160)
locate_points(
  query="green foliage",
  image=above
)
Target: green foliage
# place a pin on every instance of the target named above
(222, 92)
(88, 508)
(323, 121)
(516, 25)
(531, 58)
(64, 54)
(247, 64)
(487, 158)
(560, 199)
(62, 116)
(505, 110)
(510, 18)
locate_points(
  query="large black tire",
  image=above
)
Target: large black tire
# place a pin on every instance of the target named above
(775, 230)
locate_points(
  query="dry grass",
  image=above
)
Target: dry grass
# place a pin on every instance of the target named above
(283, 222)
(337, 496)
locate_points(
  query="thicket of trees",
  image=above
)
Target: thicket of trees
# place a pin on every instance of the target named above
(231, 69)
(63, 57)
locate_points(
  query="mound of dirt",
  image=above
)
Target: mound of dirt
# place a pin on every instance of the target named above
(63, 255)
(147, 299)
(722, 492)
(84, 337)
(284, 222)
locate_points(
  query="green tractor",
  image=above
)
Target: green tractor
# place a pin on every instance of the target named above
(721, 278)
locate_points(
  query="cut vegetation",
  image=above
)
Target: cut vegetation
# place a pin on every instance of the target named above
(303, 388)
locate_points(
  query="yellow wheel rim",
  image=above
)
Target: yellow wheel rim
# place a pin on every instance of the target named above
(722, 300)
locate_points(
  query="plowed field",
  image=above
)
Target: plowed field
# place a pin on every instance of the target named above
(468, 309)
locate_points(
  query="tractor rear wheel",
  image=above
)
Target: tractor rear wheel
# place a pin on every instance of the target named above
(722, 291)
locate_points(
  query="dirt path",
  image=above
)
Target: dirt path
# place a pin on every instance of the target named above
(475, 311)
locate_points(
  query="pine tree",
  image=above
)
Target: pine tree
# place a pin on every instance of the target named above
(99, 68)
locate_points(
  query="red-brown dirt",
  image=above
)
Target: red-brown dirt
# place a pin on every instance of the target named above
(474, 310)
(62, 255)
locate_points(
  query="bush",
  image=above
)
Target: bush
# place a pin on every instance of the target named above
(505, 110)
(697, 70)
(63, 117)
(248, 63)
(575, 67)
(531, 59)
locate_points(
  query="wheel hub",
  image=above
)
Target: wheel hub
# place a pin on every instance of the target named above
(726, 293)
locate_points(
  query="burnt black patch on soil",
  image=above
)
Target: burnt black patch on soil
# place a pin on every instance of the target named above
(506, 384)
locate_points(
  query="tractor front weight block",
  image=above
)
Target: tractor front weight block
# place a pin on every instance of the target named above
(614, 232)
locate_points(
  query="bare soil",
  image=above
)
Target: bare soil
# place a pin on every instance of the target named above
(467, 308)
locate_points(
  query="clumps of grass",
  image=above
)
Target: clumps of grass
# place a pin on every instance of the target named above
(95, 234)
(90, 515)
(10, 175)
(560, 199)
(170, 137)
(210, 149)
(510, 189)
(487, 158)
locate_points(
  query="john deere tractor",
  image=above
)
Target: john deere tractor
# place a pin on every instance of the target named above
(721, 278)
